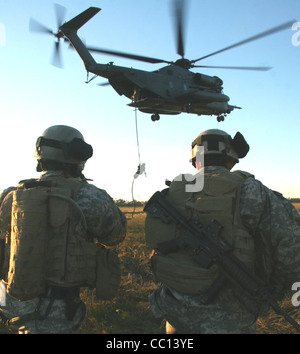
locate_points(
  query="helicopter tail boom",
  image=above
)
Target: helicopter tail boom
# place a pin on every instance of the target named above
(69, 30)
(80, 19)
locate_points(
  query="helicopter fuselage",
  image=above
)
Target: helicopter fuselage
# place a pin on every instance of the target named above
(172, 89)
(169, 90)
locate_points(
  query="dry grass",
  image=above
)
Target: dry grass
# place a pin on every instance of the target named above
(297, 205)
(273, 323)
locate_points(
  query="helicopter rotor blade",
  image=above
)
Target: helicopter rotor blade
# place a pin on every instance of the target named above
(60, 12)
(253, 68)
(179, 15)
(128, 55)
(250, 39)
(179, 11)
(35, 26)
(104, 84)
(56, 57)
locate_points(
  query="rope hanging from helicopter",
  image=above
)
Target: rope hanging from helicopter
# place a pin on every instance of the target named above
(141, 166)
(137, 136)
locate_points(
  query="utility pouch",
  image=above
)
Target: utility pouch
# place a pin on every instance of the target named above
(27, 266)
(188, 278)
(108, 273)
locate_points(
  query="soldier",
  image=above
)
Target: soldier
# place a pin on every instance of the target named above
(49, 230)
(261, 225)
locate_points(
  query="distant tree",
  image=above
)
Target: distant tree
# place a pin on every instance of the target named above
(122, 202)
(294, 200)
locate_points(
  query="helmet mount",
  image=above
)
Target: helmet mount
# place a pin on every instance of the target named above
(219, 143)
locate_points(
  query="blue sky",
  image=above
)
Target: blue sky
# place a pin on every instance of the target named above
(36, 95)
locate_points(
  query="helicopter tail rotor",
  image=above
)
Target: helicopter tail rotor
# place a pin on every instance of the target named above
(37, 27)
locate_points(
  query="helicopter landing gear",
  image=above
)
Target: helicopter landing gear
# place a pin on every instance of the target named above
(189, 108)
(155, 117)
(221, 118)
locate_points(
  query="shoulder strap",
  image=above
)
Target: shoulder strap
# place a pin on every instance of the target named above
(259, 267)
(243, 174)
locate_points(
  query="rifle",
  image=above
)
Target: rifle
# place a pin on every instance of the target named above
(210, 247)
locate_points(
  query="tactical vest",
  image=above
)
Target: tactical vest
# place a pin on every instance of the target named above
(47, 243)
(219, 200)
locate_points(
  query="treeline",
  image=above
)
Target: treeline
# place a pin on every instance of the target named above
(294, 200)
(123, 203)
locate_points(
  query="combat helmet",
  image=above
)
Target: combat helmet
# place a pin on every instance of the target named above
(218, 142)
(64, 144)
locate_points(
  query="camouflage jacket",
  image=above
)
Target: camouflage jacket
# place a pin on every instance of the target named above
(105, 223)
(275, 225)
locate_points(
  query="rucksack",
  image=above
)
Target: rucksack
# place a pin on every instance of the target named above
(219, 200)
(44, 249)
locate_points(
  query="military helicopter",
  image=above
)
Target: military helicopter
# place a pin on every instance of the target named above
(172, 89)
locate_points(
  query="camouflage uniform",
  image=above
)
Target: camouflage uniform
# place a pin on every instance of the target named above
(107, 224)
(267, 216)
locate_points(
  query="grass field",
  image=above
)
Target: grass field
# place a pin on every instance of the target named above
(129, 312)
(297, 205)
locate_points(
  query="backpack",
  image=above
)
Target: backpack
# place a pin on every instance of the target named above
(43, 247)
(219, 200)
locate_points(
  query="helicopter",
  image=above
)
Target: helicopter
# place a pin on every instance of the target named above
(170, 90)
